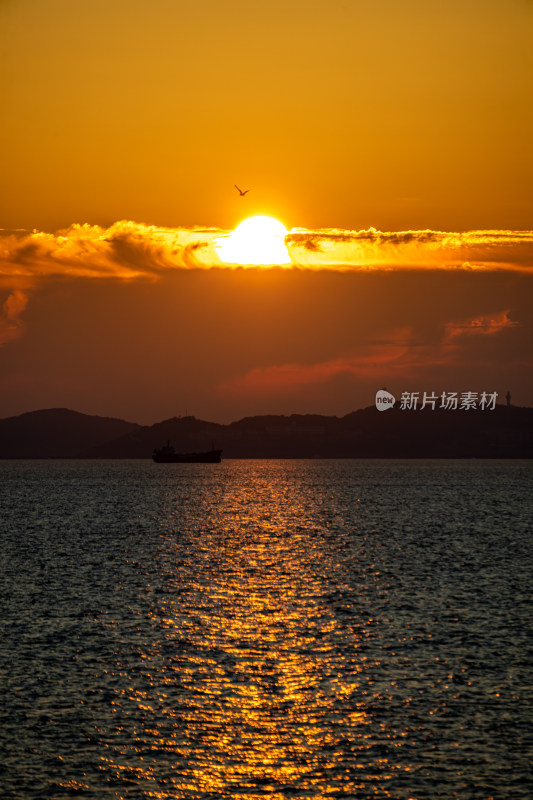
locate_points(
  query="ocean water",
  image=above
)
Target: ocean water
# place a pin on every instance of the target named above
(281, 629)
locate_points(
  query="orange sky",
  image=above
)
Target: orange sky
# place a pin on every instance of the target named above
(392, 139)
(338, 113)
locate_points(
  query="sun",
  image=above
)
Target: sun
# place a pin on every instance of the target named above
(257, 240)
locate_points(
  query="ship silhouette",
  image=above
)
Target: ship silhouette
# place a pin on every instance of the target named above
(167, 455)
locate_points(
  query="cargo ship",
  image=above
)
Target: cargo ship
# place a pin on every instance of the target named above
(167, 455)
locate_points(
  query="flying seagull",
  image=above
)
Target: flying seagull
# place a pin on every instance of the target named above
(241, 191)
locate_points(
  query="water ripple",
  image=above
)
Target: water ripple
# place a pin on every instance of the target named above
(284, 629)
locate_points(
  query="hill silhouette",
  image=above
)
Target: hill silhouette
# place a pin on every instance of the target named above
(367, 433)
(57, 433)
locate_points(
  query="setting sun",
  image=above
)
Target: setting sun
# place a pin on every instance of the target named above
(257, 240)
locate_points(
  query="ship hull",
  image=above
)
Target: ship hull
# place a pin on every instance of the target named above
(210, 457)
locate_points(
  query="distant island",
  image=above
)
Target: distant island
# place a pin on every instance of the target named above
(505, 432)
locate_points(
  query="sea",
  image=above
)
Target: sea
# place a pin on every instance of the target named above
(266, 629)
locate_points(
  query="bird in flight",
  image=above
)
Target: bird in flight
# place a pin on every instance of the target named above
(241, 191)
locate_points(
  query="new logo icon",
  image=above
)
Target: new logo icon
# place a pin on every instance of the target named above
(384, 400)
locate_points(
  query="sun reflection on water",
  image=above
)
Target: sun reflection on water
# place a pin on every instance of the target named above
(253, 685)
(290, 629)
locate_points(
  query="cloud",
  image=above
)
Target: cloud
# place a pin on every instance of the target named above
(396, 361)
(133, 251)
(395, 250)
(400, 355)
(130, 251)
(397, 355)
(125, 251)
(485, 325)
(11, 326)
(313, 239)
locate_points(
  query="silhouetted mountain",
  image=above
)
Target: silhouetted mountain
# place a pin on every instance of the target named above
(186, 433)
(56, 433)
(367, 433)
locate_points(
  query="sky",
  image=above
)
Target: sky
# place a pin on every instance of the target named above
(392, 140)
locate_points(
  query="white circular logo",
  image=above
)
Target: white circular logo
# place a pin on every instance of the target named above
(384, 400)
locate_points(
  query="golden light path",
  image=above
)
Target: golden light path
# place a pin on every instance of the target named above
(256, 241)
